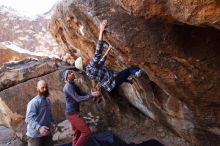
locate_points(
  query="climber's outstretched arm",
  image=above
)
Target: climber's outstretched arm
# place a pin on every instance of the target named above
(106, 53)
(102, 26)
(96, 59)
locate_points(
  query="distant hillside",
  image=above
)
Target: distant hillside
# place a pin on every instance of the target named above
(28, 33)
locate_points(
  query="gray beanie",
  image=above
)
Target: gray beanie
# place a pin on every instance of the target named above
(65, 74)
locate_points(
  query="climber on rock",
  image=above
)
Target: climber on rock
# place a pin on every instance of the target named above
(95, 69)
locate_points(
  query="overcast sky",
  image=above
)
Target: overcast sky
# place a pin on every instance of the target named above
(30, 7)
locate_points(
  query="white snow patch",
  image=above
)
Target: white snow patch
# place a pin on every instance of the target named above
(43, 29)
(25, 38)
(11, 18)
(16, 26)
(5, 24)
(13, 47)
(29, 31)
(81, 28)
(18, 31)
(4, 19)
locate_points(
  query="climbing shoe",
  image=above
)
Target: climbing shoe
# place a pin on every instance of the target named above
(139, 73)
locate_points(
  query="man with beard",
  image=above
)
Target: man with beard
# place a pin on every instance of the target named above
(39, 117)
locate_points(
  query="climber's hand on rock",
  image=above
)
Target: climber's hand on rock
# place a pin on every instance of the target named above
(44, 130)
(97, 87)
(103, 24)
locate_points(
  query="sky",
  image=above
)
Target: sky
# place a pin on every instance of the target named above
(30, 7)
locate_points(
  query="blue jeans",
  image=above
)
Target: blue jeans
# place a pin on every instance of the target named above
(123, 75)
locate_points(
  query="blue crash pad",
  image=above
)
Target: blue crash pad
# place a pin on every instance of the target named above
(109, 139)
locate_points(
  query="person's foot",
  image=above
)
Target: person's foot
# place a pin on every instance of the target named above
(139, 73)
(129, 80)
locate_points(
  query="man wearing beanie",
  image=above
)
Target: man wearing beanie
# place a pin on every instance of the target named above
(73, 97)
(95, 69)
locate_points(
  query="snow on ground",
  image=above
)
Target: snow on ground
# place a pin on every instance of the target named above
(14, 47)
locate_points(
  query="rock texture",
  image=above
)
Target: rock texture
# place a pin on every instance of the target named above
(193, 12)
(101, 113)
(8, 137)
(13, 73)
(117, 115)
(181, 61)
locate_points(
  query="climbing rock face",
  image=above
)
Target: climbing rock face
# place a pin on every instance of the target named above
(13, 73)
(193, 12)
(117, 115)
(101, 113)
(181, 87)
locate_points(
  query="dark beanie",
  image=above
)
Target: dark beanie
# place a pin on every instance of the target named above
(65, 75)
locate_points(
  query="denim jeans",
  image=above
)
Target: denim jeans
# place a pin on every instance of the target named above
(122, 77)
(124, 74)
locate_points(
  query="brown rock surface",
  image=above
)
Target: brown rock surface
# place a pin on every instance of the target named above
(103, 113)
(181, 60)
(17, 72)
(117, 115)
(193, 12)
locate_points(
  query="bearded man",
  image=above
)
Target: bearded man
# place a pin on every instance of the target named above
(39, 118)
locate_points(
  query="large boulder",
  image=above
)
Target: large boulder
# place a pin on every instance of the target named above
(119, 116)
(101, 113)
(181, 62)
(12, 73)
(193, 12)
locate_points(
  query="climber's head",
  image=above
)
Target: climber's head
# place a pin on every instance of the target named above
(80, 63)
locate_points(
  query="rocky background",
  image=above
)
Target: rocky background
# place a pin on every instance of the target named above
(175, 42)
